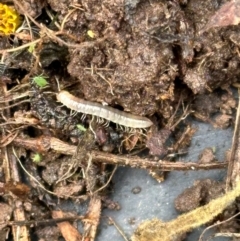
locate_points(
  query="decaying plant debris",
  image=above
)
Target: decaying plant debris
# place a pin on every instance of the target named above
(166, 60)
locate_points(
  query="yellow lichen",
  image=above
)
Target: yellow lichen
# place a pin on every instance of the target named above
(157, 230)
(9, 19)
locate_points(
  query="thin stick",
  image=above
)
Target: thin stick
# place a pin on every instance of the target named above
(36, 144)
(30, 29)
(42, 222)
(9, 106)
(118, 229)
(233, 159)
(25, 170)
(109, 179)
(66, 18)
(20, 47)
(217, 224)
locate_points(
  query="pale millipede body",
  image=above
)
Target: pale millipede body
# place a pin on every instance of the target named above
(105, 112)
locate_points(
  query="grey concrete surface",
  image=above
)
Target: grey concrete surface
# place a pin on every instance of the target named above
(157, 199)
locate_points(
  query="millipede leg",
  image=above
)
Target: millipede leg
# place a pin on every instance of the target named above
(121, 127)
(73, 113)
(106, 124)
(90, 127)
(99, 120)
(132, 130)
(58, 116)
(83, 117)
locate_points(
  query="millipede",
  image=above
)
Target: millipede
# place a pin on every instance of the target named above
(100, 111)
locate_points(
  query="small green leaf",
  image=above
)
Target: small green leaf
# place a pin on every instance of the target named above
(31, 48)
(91, 34)
(40, 81)
(37, 158)
(81, 127)
(214, 149)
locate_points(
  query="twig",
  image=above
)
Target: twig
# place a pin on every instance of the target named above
(9, 106)
(53, 35)
(14, 96)
(20, 47)
(66, 18)
(8, 139)
(18, 213)
(43, 222)
(217, 224)
(118, 229)
(234, 161)
(108, 181)
(45, 143)
(29, 26)
(24, 169)
(52, 18)
(149, 164)
(40, 185)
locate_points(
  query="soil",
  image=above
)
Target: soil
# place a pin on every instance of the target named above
(170, 61)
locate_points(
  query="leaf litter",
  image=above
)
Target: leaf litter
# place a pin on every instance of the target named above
(170, 61)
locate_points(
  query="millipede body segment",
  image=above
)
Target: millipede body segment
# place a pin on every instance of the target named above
(105, 112)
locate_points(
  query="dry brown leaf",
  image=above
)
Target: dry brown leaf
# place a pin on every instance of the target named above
(228, 14)
(91, 221)
(69, 232)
